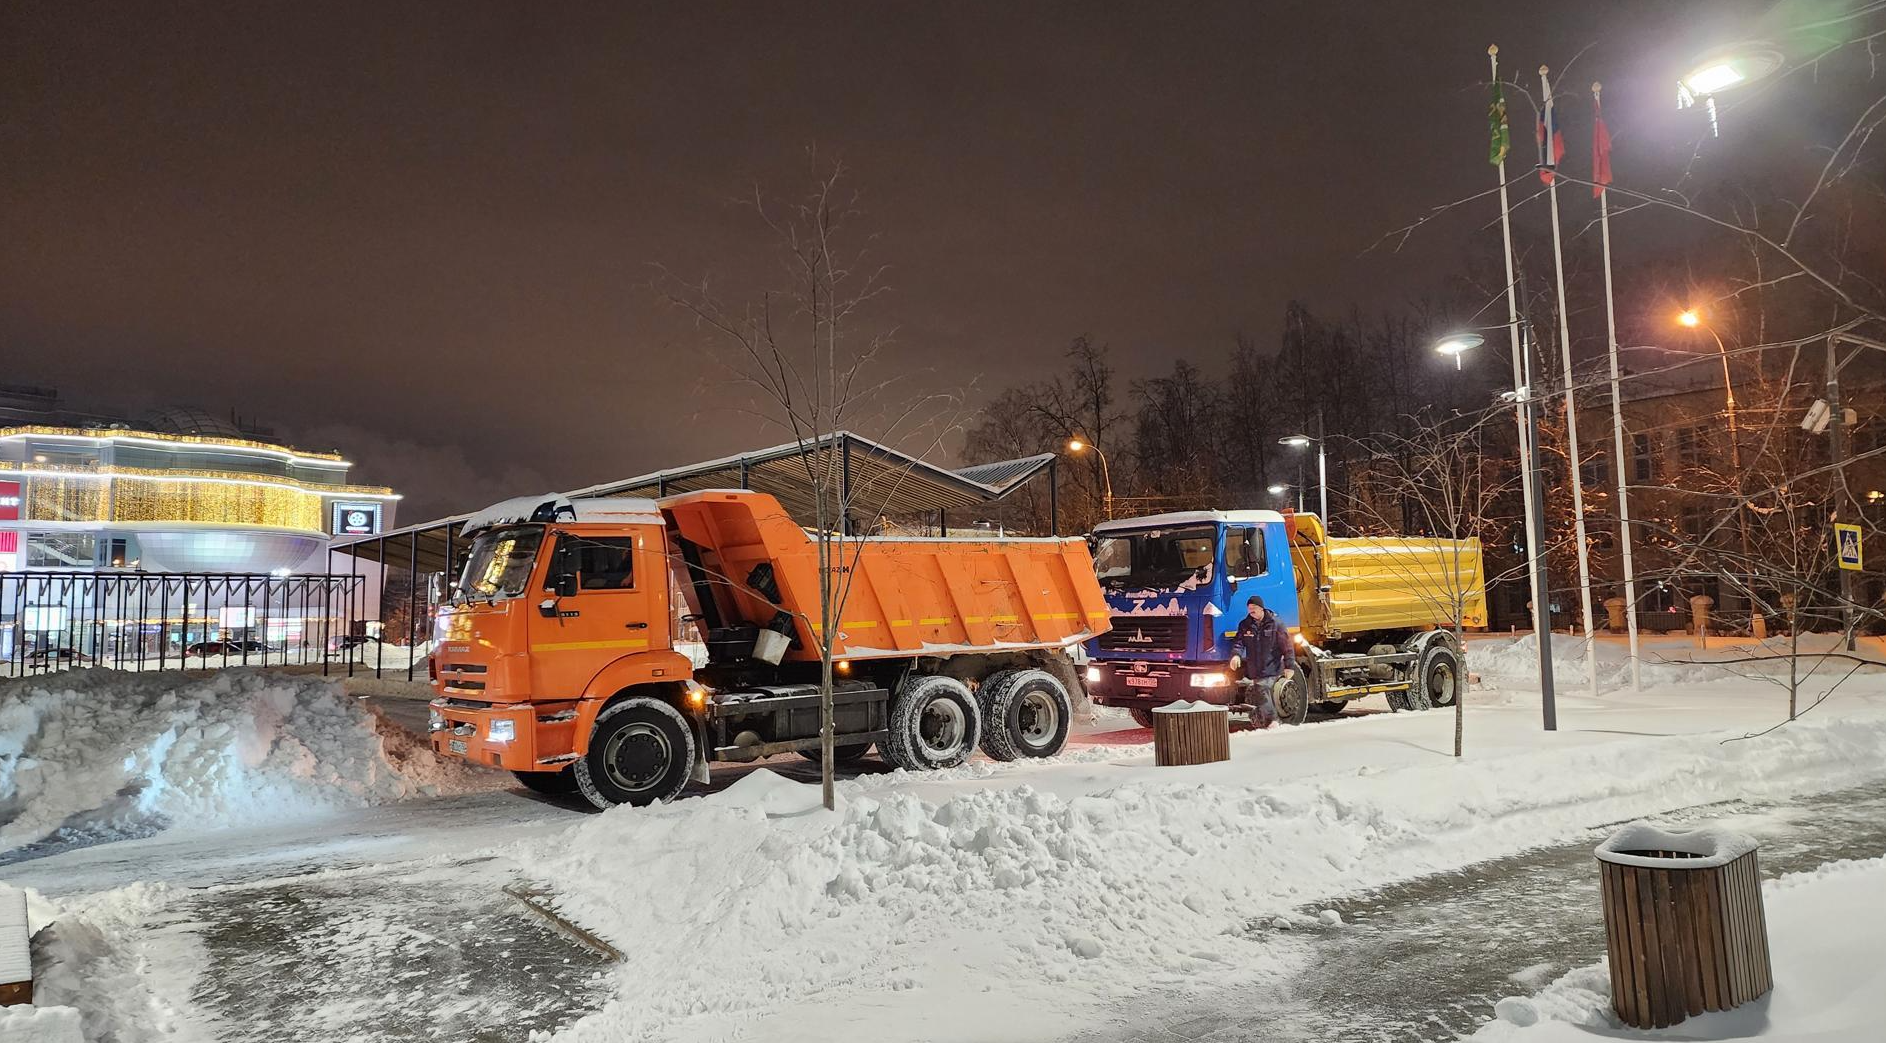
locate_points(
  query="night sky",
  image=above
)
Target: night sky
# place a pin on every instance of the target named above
(425, 233)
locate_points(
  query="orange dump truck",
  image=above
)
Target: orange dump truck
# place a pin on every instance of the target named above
(571, 648)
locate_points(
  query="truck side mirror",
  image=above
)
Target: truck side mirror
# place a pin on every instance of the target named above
(566, 585)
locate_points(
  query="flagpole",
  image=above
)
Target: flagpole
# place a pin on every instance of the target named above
(1617, 404)
(1541, 617)
(1571, 416)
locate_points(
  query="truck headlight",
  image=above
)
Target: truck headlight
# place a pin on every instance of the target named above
(434, 719)
(1211, 680)
(501, 731)
(1093, 675)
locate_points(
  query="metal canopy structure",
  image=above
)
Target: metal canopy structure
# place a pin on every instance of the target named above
(876, 479)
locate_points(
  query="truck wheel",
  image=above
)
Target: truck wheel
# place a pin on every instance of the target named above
(1143, 718)
(1293, 707)
(1025, 713)
(1409, 699)
(934, 724)
(1438, 675)
(840, 754)
(641, 752)
(549, 783)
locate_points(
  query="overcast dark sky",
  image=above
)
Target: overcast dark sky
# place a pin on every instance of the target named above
(425, 231)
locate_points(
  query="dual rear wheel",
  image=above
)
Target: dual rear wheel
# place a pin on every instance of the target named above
(643, 751)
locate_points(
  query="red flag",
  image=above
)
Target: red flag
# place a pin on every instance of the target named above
(1600, 150)
(1548, 130)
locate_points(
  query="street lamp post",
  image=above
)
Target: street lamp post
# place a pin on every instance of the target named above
(1322, 467)
(1837, 454)
(1075, 445)
(1456, 346)
(1693, 319)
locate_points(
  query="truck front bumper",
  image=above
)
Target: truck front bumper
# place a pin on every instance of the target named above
(513, 736)
(1139, 685)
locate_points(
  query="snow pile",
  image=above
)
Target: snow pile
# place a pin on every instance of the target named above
(1827, 941)
(97, 752)
(30, 1024)
(1517, 658)
(1010, 913)
(121, 965)
(1667, 659)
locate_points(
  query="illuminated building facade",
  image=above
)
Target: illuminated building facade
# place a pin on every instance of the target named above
(125, 498)
(89, 507)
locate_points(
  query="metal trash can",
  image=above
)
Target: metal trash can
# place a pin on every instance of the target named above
(1683, 923)
(1191, 733)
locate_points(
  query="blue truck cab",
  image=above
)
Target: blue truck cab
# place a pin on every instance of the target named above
(1176, 588)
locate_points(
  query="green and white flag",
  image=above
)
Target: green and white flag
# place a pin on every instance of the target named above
(1501, 138)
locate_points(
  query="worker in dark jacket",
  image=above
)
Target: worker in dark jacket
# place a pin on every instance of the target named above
(1262, 651)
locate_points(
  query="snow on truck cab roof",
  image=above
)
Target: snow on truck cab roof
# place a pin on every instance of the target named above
(1177, 518)
(548, 507)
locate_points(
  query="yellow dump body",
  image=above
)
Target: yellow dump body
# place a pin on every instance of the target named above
(902, 596)
(1355, 584)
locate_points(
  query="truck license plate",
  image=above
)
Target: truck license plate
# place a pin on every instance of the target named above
(455, 745)
(1142, 682)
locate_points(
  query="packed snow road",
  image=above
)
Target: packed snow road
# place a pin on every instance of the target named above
(1430, 958)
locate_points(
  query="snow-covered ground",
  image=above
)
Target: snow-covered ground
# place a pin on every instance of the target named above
(1825, 931)
(100, 754)
(1034, 901)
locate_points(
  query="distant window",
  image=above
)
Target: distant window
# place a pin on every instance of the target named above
(1244, 552)
(1643, 459)
(1691, 445)
(600, 563)
(1593, 473)
(61, 550)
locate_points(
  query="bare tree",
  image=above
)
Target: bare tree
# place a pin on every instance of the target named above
(1043, 416)
(807, 355)
(1436, 480)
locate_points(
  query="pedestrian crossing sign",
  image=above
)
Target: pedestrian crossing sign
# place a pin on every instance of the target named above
(1847, 546)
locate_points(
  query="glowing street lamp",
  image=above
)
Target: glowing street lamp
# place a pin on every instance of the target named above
(1302, 441)
(1459, 344)
(1725, 69)
(1692, 318)
(1077, 445)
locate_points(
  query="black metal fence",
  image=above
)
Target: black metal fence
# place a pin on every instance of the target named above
(157, 621)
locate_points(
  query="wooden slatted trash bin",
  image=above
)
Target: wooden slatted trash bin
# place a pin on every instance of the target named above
(1191, 733)
(16, 963)
(1683, 923)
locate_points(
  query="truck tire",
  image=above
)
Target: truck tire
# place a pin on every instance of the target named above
(1143, 718)
(1293, 706)
(935, 723)
(840, 754)
(641, 752)
(549, 783)
(1025, 713)
(1438, 674)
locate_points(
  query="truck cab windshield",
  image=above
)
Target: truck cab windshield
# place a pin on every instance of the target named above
(1156, 559)
(499, 563)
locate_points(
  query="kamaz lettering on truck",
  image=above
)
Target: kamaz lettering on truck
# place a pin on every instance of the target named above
(1370, 615)
(556, 655)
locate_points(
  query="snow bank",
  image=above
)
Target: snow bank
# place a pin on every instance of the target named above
(1017, 914)
(30, 1024)
(122, 966)
(1667, 659)
(103, 753)
(1827, 940)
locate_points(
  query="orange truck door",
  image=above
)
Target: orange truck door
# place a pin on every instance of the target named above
(613, 605)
